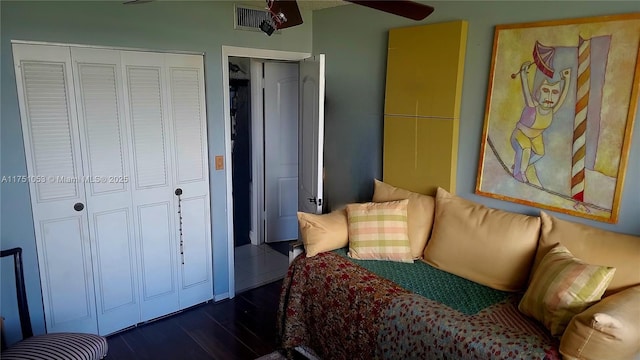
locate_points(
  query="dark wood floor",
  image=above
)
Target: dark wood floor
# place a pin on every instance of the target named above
(240, 328)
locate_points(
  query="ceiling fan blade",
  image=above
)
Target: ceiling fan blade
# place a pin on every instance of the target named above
(405, 8)
(289, 9)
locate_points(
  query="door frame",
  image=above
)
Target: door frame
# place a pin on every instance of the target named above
(254, 53)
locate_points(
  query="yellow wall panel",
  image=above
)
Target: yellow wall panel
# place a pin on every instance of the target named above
(425, 67)
(420, 154)
(424, 70)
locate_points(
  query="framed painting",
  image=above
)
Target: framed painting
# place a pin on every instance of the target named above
(560, 109)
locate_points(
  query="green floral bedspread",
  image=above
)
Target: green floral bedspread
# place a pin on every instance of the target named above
(343, 311)
(458, 293)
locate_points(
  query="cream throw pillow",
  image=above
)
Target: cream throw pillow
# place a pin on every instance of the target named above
(325, 232)
(594, 246)
(607, 330)
(491, 247)
(419, 213)
(562, 287)
(378, 231)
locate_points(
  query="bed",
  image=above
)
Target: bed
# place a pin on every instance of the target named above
(342, 308)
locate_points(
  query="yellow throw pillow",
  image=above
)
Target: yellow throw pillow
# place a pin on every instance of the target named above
(562, 287)
(607, 330)
(322, 233)
(594, 246)
(491, 247)
(419, 213)
(378, 231)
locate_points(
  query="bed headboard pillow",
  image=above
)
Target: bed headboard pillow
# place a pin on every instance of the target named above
(492, 247)
(594, 246)
(419, 213)
(378, 231)
(325, 232)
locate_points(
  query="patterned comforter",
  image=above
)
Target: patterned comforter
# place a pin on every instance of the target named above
(341, 310)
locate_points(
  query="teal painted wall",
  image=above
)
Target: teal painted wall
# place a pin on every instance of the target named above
(202, 26)
(356, 71)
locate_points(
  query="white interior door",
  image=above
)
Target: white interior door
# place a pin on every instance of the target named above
(187, 115)
(153, 193)
(281, 150)
(312, 82)
(98, 84)
(54, 166)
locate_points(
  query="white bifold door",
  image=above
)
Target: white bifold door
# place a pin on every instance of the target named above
(116, 151)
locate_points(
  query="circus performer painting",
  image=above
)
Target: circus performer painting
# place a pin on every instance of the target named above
(536, 117)
(560, 109)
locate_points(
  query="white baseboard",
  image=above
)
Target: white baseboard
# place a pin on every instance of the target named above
(222, 296)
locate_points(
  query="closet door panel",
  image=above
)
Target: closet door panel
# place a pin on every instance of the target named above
(194, 235)
(98, 80)
(157, 261)
(50, 130)
(104, 134)
(67, 274)
(196, 285)
(188, 125)
(191, 175)
(115, 277)
(153, 196)
(147, 119)
(156, 252)
(115, 270)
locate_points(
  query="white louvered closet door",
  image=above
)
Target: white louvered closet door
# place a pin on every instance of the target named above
(52, 149)
(187, 115)
(100, 100)
(109, 137)
(153, 196)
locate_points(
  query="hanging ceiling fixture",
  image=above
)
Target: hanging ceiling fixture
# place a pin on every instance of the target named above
(285, 13)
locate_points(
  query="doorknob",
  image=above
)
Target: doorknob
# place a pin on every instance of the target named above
(178, 192)
(78, 206)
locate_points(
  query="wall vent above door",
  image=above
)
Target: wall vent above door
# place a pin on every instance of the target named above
(249, 18)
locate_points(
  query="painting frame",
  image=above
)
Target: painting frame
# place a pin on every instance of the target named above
(560, 109)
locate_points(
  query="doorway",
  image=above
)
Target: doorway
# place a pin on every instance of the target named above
(310, 92)
(263, 131)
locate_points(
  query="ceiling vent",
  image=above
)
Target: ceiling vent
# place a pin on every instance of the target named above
(248, 18)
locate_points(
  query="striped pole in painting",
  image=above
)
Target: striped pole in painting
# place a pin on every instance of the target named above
(580, 120)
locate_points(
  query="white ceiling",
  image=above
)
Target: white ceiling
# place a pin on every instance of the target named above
(303, 4)
(320, 4)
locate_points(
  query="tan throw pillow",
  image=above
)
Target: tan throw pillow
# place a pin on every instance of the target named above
(322, 233)
(609, 329)
(378, 231)
(562, 287)
(419, 212)
(594, 246)
(491, 247)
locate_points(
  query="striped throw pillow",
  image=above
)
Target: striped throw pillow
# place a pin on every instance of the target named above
(378, 231)
(562, 287)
